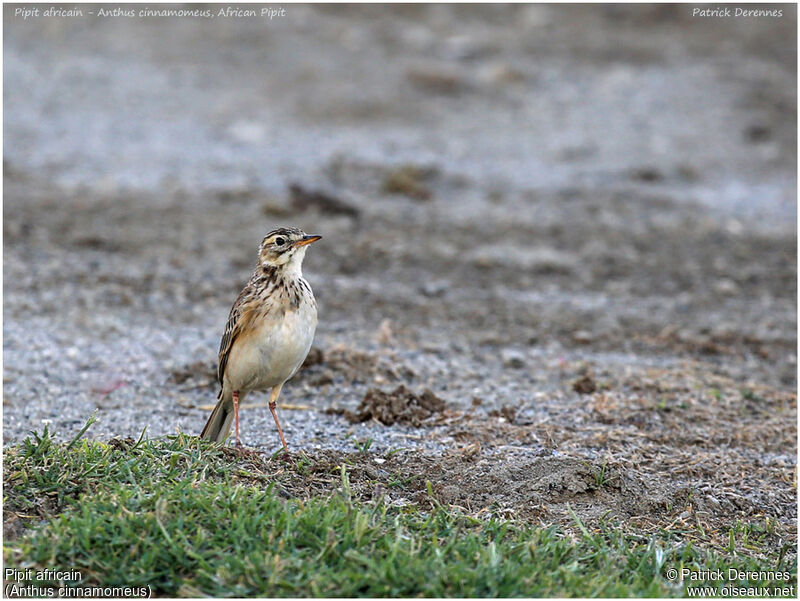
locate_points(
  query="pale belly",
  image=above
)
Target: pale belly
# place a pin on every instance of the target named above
(273, 351)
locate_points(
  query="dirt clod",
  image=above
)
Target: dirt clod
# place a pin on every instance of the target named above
(304, 198)
(585, 384)
(506, 411)
(121, 444)
(647, 174)
(409, 181)
(399, 406)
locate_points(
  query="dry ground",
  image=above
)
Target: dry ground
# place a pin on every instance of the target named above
(573, 226)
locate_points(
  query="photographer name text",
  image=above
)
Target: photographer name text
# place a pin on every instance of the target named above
(727, 12)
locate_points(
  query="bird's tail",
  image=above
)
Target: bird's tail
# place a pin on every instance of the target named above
(219, 423)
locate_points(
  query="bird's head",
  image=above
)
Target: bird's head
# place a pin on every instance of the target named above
(284, 248)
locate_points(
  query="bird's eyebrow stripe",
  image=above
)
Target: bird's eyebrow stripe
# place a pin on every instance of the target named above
(282, 231)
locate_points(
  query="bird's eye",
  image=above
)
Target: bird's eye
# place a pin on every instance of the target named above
(279, 241)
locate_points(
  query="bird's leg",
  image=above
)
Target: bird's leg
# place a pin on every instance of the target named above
(236, 416)
(241, 451)
(273, 401)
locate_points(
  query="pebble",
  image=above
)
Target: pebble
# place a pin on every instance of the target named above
(512, 358)
(434, 289)
(726, 287)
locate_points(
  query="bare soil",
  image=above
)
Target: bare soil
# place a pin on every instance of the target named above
(398, 406)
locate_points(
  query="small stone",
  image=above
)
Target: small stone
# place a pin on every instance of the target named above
(582, 337)
(462, 47)
(734, 227)
(434, 289)
(385, 333)
(758, 133)
(726, 287)
(513, 359)
(501, 73)
(647, 174)
(472, 450)
(247, 132)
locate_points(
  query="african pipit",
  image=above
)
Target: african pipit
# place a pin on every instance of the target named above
(269, 331)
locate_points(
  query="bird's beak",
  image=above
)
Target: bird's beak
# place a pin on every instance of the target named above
(306, 240)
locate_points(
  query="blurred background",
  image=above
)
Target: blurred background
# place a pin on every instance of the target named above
(513, 199)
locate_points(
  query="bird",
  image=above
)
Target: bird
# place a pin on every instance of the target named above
(269, 331)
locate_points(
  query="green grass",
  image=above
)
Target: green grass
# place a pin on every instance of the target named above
(183, 517)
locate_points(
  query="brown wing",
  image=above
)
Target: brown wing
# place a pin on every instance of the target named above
(233, 328)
